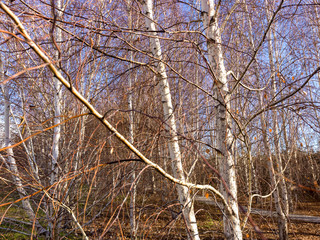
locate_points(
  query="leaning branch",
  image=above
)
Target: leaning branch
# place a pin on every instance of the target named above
(99, 116)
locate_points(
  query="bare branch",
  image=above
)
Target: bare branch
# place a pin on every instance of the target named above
(99, 116)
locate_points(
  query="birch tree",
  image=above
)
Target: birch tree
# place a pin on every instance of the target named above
(223, 136)
(57, 38)
(280, 194)
(10, 160)
(169, 116)
(282, 220)
(133, 222)
(57, 101)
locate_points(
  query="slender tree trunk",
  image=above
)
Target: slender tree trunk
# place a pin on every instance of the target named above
(288, 153)
(282, 220)
(57, 104)
(29, 145)
(132, 210)
(195, 124)
(282, 193)
(57, 101)
(173, 144)
(257, 76)
(10, 156)
(133, 223)
(278, 157)
(313, 163)
(224, 138)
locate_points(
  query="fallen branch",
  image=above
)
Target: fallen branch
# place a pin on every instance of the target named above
(265, 213)
(14, 230)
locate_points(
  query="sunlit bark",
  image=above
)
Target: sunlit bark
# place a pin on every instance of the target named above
(173, 143)
(223, 140)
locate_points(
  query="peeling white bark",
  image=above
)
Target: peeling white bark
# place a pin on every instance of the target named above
(57, 101)
(223, 138)
(173, 144)
(57, 107)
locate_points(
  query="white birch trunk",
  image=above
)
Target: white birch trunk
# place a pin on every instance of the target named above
(133, 194)
(57, 106)
(57, 101)
(174, 149)
(10, 156)
(134, 187)
(224, 138)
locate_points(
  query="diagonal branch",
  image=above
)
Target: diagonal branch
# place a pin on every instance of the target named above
(100, 117)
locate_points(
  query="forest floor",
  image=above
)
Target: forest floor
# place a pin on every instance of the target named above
(161, 225)
(159, 221)
(297, 229)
